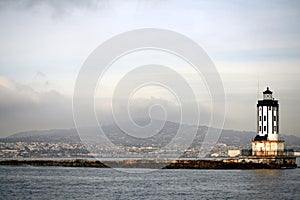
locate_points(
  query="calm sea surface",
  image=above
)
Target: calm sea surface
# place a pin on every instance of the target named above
(28, 182)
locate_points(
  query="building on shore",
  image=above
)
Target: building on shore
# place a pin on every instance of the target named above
(267, 141)
(234, 152)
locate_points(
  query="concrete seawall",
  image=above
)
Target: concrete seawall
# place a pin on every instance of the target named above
(238, 163)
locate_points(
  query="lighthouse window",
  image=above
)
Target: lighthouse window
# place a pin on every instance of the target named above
(269, 107)
(265, 118)
(274, 118)
(259, 118)
(274, 128)
(265, 128)
(259, 128)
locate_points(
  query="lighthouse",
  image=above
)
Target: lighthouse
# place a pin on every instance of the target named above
(267, 142)
(267, 116)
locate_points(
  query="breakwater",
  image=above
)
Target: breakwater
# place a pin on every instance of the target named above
(237, 163)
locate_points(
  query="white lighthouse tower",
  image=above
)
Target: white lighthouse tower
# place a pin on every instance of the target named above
(266, 142)
(267, 116)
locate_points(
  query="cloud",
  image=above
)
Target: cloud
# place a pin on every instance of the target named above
(56, 7)
(22, 108)
(246, 40)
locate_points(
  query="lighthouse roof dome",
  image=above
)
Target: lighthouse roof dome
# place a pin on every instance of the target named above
(267, 91)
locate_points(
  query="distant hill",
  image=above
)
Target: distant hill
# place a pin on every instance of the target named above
(50, 136)
(240, 139)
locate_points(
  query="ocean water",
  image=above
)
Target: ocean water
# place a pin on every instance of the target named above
(27, 182)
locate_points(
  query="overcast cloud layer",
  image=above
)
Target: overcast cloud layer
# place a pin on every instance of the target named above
(44, 44)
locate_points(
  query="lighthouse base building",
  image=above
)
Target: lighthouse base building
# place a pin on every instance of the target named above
(268, 148)
(267, 142)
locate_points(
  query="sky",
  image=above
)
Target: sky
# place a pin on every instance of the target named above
(253, 44)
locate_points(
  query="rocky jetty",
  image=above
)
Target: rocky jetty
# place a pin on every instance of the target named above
(238, 163)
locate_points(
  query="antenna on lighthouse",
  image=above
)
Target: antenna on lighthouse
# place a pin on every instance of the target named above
(257, 85)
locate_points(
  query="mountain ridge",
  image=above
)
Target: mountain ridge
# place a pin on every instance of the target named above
(229, 137)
